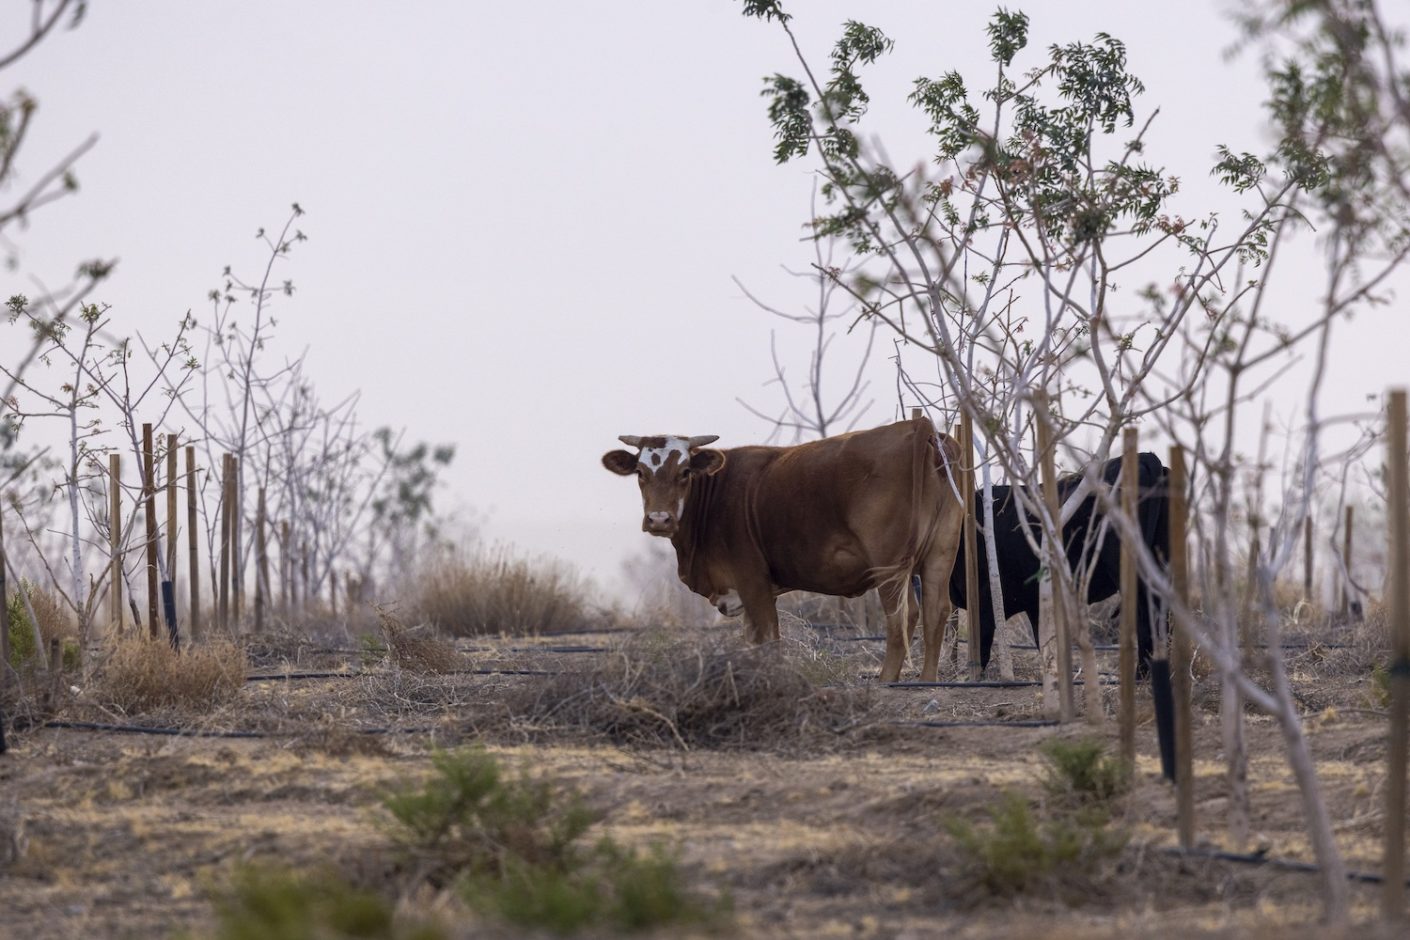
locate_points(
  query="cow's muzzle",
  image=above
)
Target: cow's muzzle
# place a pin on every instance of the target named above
(659, 523)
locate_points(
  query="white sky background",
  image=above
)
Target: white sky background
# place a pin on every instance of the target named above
(523, 218)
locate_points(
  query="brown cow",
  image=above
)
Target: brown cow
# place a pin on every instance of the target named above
(837, 516)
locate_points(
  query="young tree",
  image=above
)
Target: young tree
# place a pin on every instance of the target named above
(999, 267)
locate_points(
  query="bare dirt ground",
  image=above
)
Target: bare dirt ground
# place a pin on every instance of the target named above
(824, 834)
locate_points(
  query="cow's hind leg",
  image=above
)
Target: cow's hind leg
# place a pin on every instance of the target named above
(912, 610)
(935, 609)
(898, 615)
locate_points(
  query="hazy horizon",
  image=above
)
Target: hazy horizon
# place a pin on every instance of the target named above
(524, 220)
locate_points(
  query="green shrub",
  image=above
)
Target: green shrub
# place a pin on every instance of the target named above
(55, 623)
(1082, 768)
(372, 649)
(71, 656)
(468, 818)
(267, 903)
(647, 889)
(1380, 685)
(22, 648)
(558, 901)
(513, 849)
(1016, 853)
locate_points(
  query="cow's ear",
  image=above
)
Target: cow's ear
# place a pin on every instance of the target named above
(707, 461)
(620, 462)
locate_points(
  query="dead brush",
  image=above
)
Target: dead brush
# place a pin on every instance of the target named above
(141, 675)
(497, 592)
(417, 649)
(658, 690)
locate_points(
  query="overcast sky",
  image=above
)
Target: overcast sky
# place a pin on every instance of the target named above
(523, 218)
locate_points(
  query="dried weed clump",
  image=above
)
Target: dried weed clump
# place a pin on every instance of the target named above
(142, 675)
(687, 692)
(417, 649)
(496, 592)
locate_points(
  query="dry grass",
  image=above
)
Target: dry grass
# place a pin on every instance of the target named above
(56, 621)
(701, 692)
(142, 675)
(497, 592)
(417, 649)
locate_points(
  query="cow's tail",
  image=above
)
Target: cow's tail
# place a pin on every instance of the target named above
(933, 453)
(945, 452)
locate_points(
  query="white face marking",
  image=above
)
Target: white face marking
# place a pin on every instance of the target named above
(656, 457)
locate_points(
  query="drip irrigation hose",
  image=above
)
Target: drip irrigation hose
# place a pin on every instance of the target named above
(1260, 858)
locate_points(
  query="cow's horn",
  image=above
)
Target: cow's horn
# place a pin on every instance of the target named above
(700, 440)
(631, 440)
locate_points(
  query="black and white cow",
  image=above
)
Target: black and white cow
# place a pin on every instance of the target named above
(1019, 566)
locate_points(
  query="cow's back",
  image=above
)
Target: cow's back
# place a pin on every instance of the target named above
(829, 514)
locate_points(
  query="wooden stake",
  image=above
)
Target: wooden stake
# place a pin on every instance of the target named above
(1057, 609)
(1180, 654)
(1393, 868)
(223, 588)
(237, 561)
(286, 572)
(261, 564)
(149, 494)
(193, 566)
(1346, 569)
(1129, 490)
(114, 541)
(1307, 558)
(973, 616)
(4, 618)
(172, 525)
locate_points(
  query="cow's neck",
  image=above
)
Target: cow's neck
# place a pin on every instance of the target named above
(691, 531)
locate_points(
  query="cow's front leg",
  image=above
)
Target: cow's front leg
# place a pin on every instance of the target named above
(893, 601)
(760, 615)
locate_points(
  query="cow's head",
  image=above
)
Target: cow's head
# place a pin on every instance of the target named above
(664, 466)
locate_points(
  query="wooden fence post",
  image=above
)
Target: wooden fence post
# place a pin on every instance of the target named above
(114, 540)
(973, 615)
(149, 494)
(222, 618)
(261, 564)
(286, 572)
(237, 561)
(1181, 653)
(193, 565)
(1393, 868)
(172, 525)
(1056, 610)
(1346, 569)
(1307, 557)
(4, 616)
(1130, 487)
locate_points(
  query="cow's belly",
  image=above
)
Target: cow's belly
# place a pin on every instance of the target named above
(839, 568)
